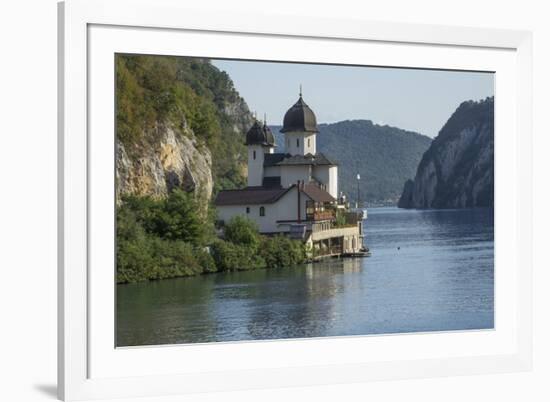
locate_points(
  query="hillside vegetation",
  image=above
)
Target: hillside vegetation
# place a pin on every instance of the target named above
(189, 96)
(167, 238)
(384, 156)
(180, 128)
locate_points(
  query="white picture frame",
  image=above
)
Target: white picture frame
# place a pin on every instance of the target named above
(89, 365)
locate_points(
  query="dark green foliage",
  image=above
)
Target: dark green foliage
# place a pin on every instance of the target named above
(280, 251)
(235, 257)
(340, 219)
(149, 93)
(179, 92)
(245, 248)
(158, 239)
(173, 218)
(240, 230)
(384, 156)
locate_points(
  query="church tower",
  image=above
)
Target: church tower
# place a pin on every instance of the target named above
(300, 129)
(260, 141)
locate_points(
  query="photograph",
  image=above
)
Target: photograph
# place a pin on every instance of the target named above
(269, 200)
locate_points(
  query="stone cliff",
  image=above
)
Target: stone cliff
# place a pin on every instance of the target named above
(457, 170)
(174, 161)
(180, 124)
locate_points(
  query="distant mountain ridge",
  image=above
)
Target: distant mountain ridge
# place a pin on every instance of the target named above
(383, 156)
(457, 171)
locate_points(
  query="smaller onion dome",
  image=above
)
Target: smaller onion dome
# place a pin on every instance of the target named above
(269, 139)
(260, 134)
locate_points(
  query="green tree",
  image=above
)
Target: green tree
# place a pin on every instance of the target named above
(235, 257)
(280, 251)
(243, 231)
(178, 219)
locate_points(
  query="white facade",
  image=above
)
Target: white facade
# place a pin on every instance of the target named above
(300, 143)
(298, 165)
(256, 164)
(274, 215)
(327, 175)
(290, 174)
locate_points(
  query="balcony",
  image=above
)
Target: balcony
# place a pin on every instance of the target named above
(320, 216)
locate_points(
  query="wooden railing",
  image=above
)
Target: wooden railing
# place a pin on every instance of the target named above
(321, 215)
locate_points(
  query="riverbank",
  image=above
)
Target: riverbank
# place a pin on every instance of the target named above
(164, 239)
(433, 270)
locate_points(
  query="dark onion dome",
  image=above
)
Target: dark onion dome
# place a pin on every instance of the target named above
(260, 135)
(300, 118)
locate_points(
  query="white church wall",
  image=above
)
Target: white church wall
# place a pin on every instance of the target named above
(266, 223)
(255, 165)
(310, 146)
(291, 174)
(333, 181)
(327, 175)
(285, 209)
(300, 143)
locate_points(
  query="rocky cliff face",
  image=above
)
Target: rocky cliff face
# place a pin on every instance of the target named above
(175, 160)
(180, 124)
(457, 170)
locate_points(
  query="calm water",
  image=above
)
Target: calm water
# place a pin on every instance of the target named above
(429, 271)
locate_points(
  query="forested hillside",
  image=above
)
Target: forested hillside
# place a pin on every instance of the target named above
(180, 137)
(384, 156)
(180, 123)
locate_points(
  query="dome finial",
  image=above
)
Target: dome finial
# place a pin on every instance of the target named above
(265, 119)
(300, 90)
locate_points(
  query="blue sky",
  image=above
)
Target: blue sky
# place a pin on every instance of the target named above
(416, 100)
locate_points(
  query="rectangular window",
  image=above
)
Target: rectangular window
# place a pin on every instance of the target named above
(254, 155)
(262, 211)
(247, 210)
(309, 142)
(297, 142)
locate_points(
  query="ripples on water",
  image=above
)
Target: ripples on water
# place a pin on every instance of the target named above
(430, 271)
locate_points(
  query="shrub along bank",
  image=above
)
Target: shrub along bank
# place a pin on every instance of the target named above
(158, 239)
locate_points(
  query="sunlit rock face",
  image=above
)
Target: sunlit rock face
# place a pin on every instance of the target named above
(174, 160)
(457, 171)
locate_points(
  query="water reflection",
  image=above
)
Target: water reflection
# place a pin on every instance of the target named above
(430, 270)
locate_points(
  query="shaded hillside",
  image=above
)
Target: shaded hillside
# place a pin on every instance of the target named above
(457, 171)
(384, 157)
(180, 124)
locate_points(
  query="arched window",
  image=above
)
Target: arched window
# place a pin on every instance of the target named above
(262, 211)
(309, 142)
(254, 155)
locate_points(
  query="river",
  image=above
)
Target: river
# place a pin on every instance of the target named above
(430, 270)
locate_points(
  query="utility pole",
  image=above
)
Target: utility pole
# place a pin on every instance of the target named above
(358, 198)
